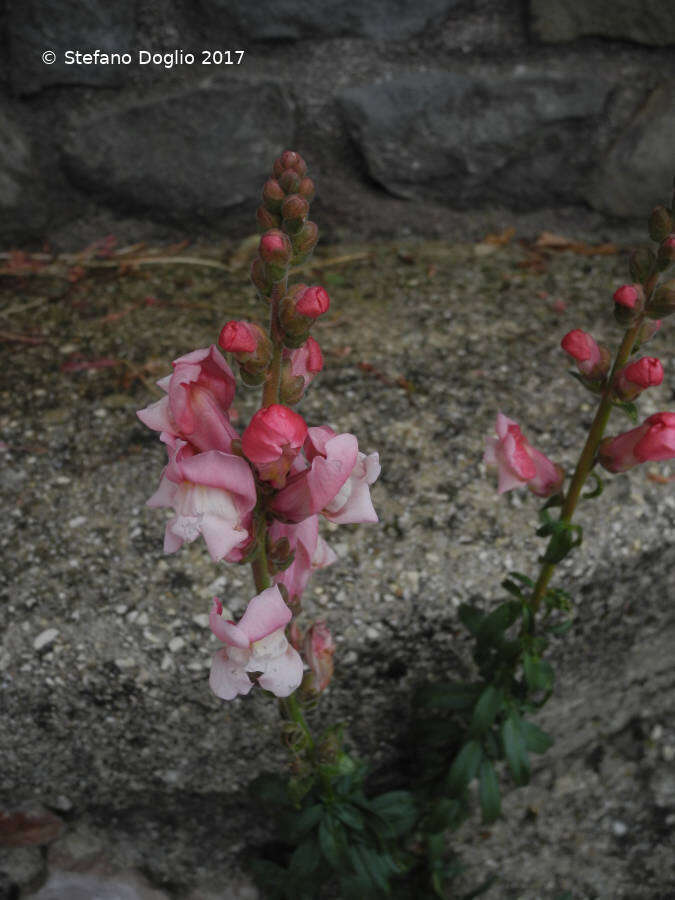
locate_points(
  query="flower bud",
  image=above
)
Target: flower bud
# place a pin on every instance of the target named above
(662, 302)
(641, 264)
(593, 360)
(261, 277)
(304, 242)
(307, 189)
(273, 195)
(272, 440)
(312, 302)
(647, 331)
(275, 248)
(250, 345)
(319, 648)
(666, 253)
(267, 219)
(291, 387)
(637, 376)
(660, 223)
(298, 309)
(294, 211)
(653, 440)
(290, 181)
(628, 303)
(299, 368)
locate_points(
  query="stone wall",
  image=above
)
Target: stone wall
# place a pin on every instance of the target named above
(446, 104)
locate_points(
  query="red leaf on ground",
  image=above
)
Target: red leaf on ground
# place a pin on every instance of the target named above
(24, 829)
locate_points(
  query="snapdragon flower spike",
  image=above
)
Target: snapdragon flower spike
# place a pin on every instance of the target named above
(592, 359)
(335, 483)
(199, 393)
(310, 550)
(250, 346)
(257, 643)
(212, 494)
(272, 440)
(653, 440)
(518, 463)
(637, 376)
(319, 647)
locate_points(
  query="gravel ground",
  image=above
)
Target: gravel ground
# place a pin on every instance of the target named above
(105, 647)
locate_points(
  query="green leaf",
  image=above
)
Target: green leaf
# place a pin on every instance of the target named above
(538, 673)
(298, 824)
(561, 628)
(270, 789)
(397, 809)
(515, 749)
(349, 816)
(488, 791)
(328, 841)
(448, 696)
(536, 740)
(498, 621)
(486, 710)
(464, 767)
(374, 864)
(446, 813)
(470, 617)
(305, 858)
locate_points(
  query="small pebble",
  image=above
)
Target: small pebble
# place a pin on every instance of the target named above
(176, 644)
(45, 638)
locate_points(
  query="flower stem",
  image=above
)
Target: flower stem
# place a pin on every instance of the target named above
(271, 386)
(587, 457)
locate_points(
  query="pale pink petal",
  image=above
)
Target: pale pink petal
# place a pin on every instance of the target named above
(158, 416)
(228, 679)
(264, 614)
(221, 470)
(221, 537)
(283, 675)
(323, 555)
(165, 493)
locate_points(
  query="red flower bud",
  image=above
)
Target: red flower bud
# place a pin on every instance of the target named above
(238, 337)
(636, 376)
(273, 439)
(304, 242)
(312, 302)
(289, 159)
(627, 295)
(295, 207)
(666, 254)
(250, 345)
(267, 219)
(290, 181)
(273, 195)
(653, 440)
(275, 247)
(592, 359)
(307, 189)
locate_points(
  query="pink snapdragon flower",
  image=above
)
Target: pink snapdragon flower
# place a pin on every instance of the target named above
(319, 647)
(199, 392)
(212, 494)
(272, 440)
(591, 359)
(653, 440)
(518, 462)
(311, 553)
(637, 376)
(335, 483)
(256, 644)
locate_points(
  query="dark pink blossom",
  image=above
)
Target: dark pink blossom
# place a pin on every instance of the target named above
(653, 440)
(518, 462)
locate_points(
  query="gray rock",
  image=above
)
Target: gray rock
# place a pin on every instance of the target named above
(643, 21)
(22, 205)
(638, 170)
(386, 20)
(520, 139)
(67, 25)
(194, 153)
(86, 886)
(22, 867)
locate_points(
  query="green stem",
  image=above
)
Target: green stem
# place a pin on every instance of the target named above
(293, 711)
(587, 457)
(271, 386)
(261, 575)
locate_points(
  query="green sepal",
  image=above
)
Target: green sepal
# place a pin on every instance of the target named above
(597, 490)
(595, 387)
(488, 792)
(629, 408)
(464, 767)
(564, 536)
